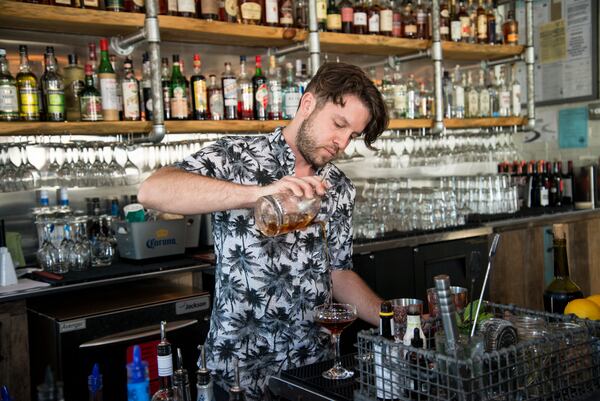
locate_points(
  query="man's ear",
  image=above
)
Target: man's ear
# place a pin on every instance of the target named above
(307, 104)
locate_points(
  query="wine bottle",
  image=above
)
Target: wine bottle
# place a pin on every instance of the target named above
(385, 381)
(562, 289)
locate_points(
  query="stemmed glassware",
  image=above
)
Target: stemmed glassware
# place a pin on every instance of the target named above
(335, 318)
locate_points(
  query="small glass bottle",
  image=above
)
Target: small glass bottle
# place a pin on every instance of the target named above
(130, 90)
(215, 98)
(90, 101)
(165, 81)
(444, 21)
(334, 18)
(165, 367)
(27, 87)
(74, 77)
(274, 106)
(360, 18)
(245, 95)
(9, 100)
(286, 13)
(199, 91)
(260, 92)
(230, 95)
(271, 13)
(53, 89)
(178, 92)
(108, 85)
(510, 29)
(347, 13)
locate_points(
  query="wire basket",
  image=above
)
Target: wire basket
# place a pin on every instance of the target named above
(557, 360)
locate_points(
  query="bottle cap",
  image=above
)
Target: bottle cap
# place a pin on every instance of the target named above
(242, 59)
(196, 57)
(88, 69)
(137, 370)
(73, 58)
(176, 58)
(103, 44)
(257, 58)
(386, 309)
(203, 373)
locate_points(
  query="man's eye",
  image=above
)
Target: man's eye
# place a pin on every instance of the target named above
(337, 125)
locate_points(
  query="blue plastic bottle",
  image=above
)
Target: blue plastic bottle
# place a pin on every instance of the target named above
(138, 382)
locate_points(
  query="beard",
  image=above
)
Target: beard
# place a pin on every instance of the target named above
(307, 146)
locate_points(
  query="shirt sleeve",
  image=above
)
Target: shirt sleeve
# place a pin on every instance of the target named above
(210, 161)
(340, 226)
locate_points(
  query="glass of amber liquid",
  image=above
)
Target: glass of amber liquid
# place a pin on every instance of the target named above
(335, 318)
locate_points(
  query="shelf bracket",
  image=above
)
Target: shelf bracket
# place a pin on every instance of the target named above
(298, 47)
(485, 64)
(410, 57)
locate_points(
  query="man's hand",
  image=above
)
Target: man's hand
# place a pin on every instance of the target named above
(306, 187)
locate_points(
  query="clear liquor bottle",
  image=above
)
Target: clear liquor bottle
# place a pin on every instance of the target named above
(411, 97)
(215, 98)
(260, 92)
(165, 80)
(146, 100)
(504, 96)
(458, 90)
(27, 87)
(275, 101)
(400, 106)
(9, 99)
(165, 367)
(515, 89)
(53, 89)
(388, 88)
(178, 92)
(230, 93)
(484, 96)
(291, 93)
(494, 89)
(130, 89)
(199, 91)
(448, 93)
(74, 77)
(90, 100)
(245, 94)
(472, 106)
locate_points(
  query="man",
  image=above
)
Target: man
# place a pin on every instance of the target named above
(267, 287)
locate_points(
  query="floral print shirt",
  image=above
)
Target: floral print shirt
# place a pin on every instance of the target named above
(267, 287)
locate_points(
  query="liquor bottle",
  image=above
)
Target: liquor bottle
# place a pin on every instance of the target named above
(108, 85)
(347, 13)
(388, 88)
(135, 6)
(455, 24)
(458, 90)
(230, 93)
(422, 103)
(472, 11)
(504, 96)
(494, 89)
(472, 97)
(400, 103)
(510, 29)
(230, 11)
(130, 92)
(444, 21)
(386, 382)
(321, 14)
(245, 93)
(90, 100)
(411, 97)
(237, 393)
(180, 376)
(556, 185)
(166, 87)
(114, 5)
(215, 98)
(138, 382)
(271, 13)
(187, 8)
(9, 100)
(250, 11)
(27, 87)
(274, 109)
(302, 75)
(334, 18)
(204, 383)
(53, 89)
(515, 89)
(413, 321)
(542, 185)
(491, 22)
(448, 94)
(165, 367)
(178, 92)
(482, 25)
(418, 383)
(117, 70)
(291, 93)
(286, 13)
(562, 289)
(260, 92)
(373, 9)
(534, 185)
(172, 7)
(95, 384)
(568, 180)
(396, 19)
(93, 62)
(199, 91)
(409, 21)
(484, 96)
(465, 22)
(301, 14)
(146, 94)
(359, 18)
(421, 20)
(74, 77)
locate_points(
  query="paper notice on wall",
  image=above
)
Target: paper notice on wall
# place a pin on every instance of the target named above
(553, 42)
(573, 128)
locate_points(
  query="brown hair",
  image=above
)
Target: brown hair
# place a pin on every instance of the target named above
(335, 80)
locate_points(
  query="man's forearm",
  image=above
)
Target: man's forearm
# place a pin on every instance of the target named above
(348, 287)
(177, 191)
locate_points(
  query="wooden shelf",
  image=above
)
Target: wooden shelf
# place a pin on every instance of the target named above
(234, 126)
(475, 52)
(370, 44)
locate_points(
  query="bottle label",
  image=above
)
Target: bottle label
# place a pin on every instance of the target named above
(456, 30)
(465, 27)
(444, 30)
(165, 365)
(291, 101)
(9, 101)
(275, 97)
(247, 98)
(482, 27)
(347, 14)
(131, 100)
(374, 23)
(231, 8)
(334, 22)
(484, 103)
(147, 95)
(459, 97)
(271, 11)
(65, 2)
(91, 108)
(567, 188)
(29, 98)
(172, 6)
(360, 19)
(188, 6)
(262, 97)
(91, 3)
(108, 90)
(179, 103)
(230, 92)
(512, 38)
(321, 10)
(250, 11)
(199, 88)
(410, 29)
(544, 199)
(286, 13)
(386, 20)
(444, 13)
(216, 105)
(473, 107)
(55, 102)
(139, 3)
(114, 4)
(516, 100)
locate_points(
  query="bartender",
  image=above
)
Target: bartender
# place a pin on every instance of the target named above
(267, 287)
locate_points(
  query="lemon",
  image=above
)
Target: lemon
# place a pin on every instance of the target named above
(584, 309)
(595, 299)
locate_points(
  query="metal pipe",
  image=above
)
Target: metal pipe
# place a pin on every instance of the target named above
(530, 62)
(511, 60)
(314, 45)
(436, 56)
(298, 47)
(124, 45)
